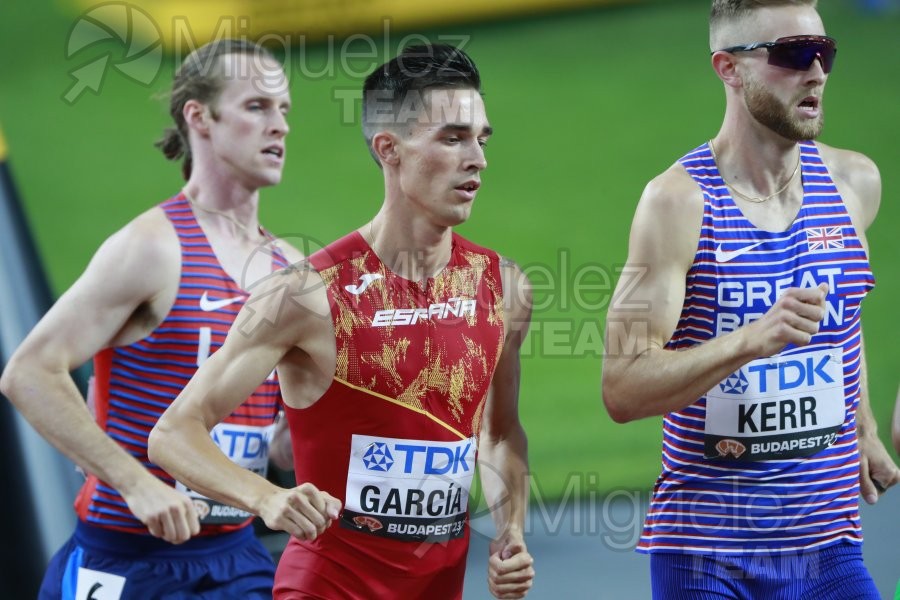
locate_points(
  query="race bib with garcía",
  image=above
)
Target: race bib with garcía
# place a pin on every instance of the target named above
(411, 490)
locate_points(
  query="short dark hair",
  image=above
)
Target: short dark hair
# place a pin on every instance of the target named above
(413, 71)
(200, 77)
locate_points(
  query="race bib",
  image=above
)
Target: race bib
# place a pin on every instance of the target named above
(409, 490)
(776, 408)
(247, 447)
(97, 585)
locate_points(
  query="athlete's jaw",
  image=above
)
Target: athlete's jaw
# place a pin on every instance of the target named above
(800, 118)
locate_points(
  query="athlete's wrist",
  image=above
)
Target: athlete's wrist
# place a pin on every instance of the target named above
(513, 531)
(866, 425)
(747, 343)
(867, 432)
(132, 479)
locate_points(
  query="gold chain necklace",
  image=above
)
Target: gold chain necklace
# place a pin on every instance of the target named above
(756, 199)
(245, 228)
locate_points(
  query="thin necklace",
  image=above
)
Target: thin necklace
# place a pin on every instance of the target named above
(372, 236)
(245, 228)
(756, 199)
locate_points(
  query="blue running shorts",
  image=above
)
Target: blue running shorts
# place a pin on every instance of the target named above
(102, 564)
(835, 572)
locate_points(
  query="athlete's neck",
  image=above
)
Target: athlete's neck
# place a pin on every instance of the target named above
(221, 201)
(414, 250)
(757, 163)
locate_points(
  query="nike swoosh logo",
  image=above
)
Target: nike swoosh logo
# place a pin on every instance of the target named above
(365, 281)
(208, 304)
(723, 256)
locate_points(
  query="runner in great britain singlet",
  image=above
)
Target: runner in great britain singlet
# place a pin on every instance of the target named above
(758, 495)
(767, 460)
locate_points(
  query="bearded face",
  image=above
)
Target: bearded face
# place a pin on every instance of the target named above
(781, 117)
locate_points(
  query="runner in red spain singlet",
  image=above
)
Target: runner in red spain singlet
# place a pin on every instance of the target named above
(400, 422)
(397, 350)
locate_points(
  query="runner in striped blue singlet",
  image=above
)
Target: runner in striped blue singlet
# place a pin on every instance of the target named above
(155, 303)
(740, 313)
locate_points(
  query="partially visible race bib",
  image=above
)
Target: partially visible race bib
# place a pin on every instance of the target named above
(777, 408)
(409, 490)
(95, 585)
(248, 447)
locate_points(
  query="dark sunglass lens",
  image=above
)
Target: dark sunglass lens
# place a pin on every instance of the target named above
(801, 54)
(828, 54)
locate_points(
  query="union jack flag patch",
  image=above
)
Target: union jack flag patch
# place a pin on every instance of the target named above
(824, 238)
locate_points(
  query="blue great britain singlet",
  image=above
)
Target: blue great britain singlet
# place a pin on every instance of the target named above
(136, 383)
(767, 460)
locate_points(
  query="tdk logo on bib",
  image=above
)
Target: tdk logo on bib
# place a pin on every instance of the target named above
(736, 383)
(419, 458)
(792, 374)
(378, 457)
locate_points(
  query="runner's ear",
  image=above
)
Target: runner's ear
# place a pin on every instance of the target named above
(384, 145)
(197, 116)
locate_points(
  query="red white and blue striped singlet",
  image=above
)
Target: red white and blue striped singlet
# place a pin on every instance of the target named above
(137, 382)
(767, 460)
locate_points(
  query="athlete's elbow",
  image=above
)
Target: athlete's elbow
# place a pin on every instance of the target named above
(615, 399)
(11, 381)
(6, 383)
(618, 410)
(158, 442)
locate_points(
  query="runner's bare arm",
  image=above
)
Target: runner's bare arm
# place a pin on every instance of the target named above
(640, 377)
(859, 183)
(111, 303)
(877, 471)
(895, 429)
(280, 451)
(273, 322)
(503, 449)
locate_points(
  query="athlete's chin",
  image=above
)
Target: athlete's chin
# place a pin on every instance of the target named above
(807, 129)
(459, 216)
(799, 131)
(815, 129)
(269, 179)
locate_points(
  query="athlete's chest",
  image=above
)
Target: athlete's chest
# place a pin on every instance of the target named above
(436, 341)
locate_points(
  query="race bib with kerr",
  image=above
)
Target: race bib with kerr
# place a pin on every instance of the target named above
(409, 490)
(247, 447)
(777, 408)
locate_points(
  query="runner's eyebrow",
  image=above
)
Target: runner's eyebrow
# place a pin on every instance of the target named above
(462, 128)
